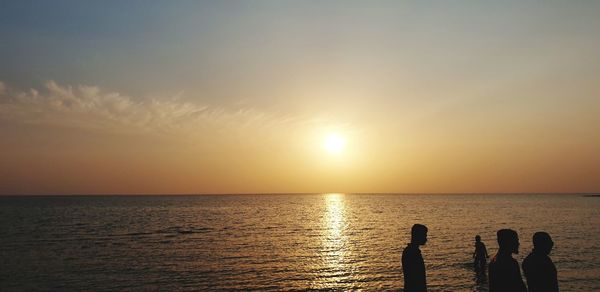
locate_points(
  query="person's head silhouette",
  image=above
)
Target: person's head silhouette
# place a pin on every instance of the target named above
(477, 238)
(418, 234)
(508, 240)
(542, 242)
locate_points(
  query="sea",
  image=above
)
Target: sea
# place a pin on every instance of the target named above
(281, 242)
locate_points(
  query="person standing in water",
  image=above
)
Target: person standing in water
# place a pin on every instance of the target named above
(504, 271)
(480, 255)
(413, 266)
(539, 269)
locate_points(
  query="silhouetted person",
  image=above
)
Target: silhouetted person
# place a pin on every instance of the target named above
(480, 255)
(505, 275)
(413, 266)
(539, 269)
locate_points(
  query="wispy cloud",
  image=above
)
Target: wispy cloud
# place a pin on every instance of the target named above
(90, 107)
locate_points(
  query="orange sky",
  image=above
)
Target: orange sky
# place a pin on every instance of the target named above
(231, 98)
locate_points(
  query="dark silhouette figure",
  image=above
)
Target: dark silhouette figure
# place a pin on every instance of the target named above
(480, 255)
(505, 275)
(413, 266)
(539, 269)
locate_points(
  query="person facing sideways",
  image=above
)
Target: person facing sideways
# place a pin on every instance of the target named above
(539, 269)
(480, 255)
(413, 266)
(504, 272)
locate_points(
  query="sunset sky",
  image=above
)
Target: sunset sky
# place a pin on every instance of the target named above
(120, 97)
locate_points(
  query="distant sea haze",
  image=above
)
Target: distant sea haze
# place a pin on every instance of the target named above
(280, 242)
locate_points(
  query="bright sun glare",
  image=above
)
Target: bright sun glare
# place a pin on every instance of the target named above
(334, 143)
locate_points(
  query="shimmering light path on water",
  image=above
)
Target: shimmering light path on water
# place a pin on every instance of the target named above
(279, 242)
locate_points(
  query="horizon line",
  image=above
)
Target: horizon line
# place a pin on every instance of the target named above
(297, 193)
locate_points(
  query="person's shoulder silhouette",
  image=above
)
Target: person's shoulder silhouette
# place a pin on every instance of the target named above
(413, 266)
(504, 271)
(539, 269)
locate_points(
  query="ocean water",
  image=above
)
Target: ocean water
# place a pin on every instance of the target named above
(280, 242)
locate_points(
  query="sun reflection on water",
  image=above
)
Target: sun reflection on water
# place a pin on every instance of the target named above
(334, 240)
(335, 216)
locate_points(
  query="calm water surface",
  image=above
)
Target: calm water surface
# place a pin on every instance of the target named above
(279, 242)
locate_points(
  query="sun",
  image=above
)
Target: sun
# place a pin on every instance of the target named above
(334, 143)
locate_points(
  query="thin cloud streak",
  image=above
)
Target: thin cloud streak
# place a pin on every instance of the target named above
(91, 108)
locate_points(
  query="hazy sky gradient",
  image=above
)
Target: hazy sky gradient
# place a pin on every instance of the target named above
(237, 96)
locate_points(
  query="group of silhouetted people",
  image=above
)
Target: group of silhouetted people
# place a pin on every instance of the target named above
(504, 271)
